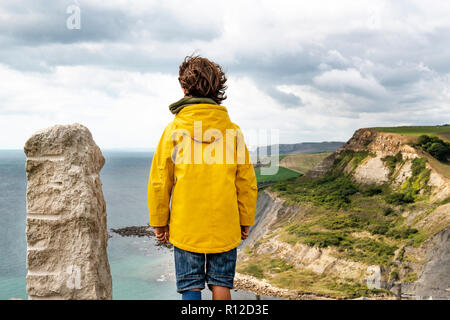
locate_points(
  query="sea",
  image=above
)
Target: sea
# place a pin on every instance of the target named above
(140, 268)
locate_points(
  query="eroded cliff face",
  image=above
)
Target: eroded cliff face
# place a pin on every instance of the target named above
(373, 169)
(66, 216)
(434, 280)
(423, 270)
(264, 239)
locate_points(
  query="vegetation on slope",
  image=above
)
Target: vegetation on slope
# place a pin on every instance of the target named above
(391, 162)
(285, 275)
(363, 223)
(438, 148)
(334, 189)
(417, 130)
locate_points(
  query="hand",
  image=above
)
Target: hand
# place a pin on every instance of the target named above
(245, 230)
(162, 234)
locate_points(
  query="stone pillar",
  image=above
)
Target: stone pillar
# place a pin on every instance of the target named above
(66, 216)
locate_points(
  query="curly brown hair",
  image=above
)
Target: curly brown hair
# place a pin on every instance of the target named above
(201, 77)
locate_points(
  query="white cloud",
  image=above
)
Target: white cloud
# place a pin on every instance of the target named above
(351, 64)
(122, 109)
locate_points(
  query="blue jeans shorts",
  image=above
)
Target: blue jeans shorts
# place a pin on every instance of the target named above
(194, 269)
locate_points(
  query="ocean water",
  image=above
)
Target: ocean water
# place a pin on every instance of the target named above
(140, 269)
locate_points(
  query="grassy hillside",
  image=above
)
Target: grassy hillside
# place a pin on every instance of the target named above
(441, 131)
(346, 206)
(283, 174)
(362, 223)
(302, 162)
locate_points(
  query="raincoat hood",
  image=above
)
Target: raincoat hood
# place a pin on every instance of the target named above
(200, 118)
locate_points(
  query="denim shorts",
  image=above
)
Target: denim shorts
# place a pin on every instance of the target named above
(194, 269)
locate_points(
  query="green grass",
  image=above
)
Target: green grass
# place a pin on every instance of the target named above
(411, 277)
(253, 270)
(331, 191)
(415, 130)
(281, 175)
(364, 250)
(354, 158)
(391, 162)
(418, 180)
(445, 201)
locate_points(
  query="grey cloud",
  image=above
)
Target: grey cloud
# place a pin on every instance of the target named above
(44, 22)
(289, 100)
(286, 66)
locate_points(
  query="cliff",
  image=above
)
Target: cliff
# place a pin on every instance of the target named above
(370, 218)
(375, 171)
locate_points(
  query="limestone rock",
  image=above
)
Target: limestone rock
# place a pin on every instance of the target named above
(435, 281)
(66, 216)
(371, 171)
(374, 277)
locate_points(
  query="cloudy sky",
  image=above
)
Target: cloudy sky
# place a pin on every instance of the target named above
(313, 70)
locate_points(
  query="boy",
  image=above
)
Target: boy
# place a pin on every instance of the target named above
(202, 170)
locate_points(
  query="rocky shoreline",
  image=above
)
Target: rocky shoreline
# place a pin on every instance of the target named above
(139, 231)
(262, 287)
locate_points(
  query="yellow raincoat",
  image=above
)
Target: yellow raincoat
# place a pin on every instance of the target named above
(202, 163)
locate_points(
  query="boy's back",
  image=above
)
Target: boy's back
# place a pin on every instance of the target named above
(213, 194)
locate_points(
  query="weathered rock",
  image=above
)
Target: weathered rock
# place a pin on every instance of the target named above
(374, 277)
(267, 208)
(434, 282)
(66, 216)
(371, 171)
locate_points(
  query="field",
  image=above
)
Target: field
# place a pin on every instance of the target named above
(283, 174)
(441, 131)
(302, 162)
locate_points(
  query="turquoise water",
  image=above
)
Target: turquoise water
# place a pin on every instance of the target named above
(140, 269)
(12, 224)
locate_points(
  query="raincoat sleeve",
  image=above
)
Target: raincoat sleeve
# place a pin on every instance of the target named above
(247, 190)
(161, 181)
